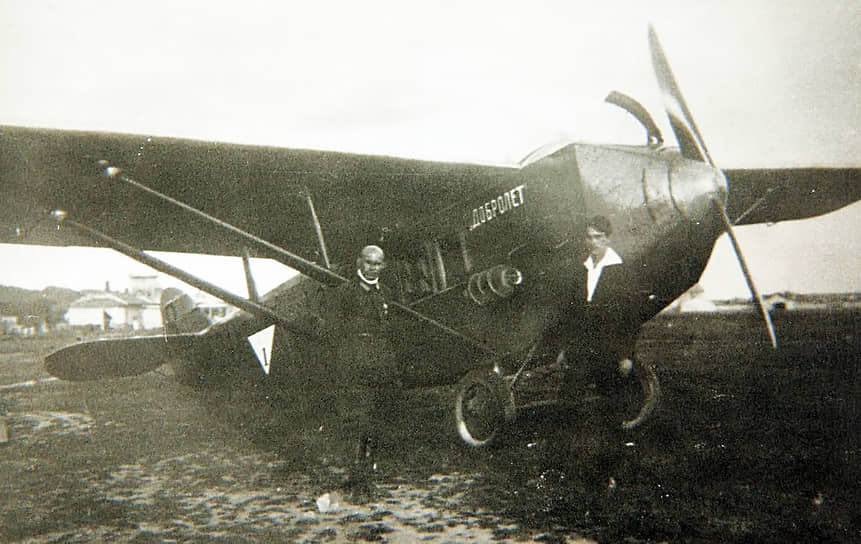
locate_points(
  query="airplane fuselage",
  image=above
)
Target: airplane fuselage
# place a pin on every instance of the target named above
(496, 262)
(528, 223)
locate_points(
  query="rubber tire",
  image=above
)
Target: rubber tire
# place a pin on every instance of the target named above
(651, 396)
(479, 393)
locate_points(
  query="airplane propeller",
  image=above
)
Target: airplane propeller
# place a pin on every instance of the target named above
(692, 146)
(690, 141)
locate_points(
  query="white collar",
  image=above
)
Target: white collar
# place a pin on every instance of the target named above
(366, 281)
(610, 257)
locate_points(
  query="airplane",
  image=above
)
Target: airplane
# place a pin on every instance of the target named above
(478, 255)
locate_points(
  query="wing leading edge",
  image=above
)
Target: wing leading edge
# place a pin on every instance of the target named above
(262, 190)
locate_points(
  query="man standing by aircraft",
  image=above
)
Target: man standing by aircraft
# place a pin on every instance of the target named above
(600, 329)
(609, 308)
(367, 367)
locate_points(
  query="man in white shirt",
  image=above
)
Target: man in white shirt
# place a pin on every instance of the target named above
(600, 255)
(598, 333)
(607, 317)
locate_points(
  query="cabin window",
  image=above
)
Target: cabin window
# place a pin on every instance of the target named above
(455, 260)
(413, 278)
(430, 268)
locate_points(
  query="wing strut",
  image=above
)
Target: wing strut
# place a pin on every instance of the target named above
(250, 306)
(318, 229)
(310, 269)
(304, 266)
(249, 279)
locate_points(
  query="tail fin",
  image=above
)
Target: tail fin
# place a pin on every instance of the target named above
(180, 314)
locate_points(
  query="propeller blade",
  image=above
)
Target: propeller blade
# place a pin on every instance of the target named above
(691, 143)
(730, 231)
(693, 147)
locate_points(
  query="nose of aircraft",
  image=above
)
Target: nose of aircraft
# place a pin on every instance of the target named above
(694, 186)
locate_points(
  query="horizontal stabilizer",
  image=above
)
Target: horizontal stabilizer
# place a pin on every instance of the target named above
(114, 358)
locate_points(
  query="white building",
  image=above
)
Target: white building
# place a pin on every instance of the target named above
(108, 310)
(8, 323)
(134, 310)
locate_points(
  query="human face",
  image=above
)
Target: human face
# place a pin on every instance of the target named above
(597, 243)
(371, 263)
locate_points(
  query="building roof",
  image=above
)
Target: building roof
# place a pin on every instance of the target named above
(104, 299)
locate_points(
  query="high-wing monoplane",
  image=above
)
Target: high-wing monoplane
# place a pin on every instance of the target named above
(479, 255)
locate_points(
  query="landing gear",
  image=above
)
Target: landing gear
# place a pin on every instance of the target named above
(651, 395)
(479, 407)
(488, 400)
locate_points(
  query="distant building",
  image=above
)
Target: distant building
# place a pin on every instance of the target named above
(145, 285)
(137, 309)
(213, 308)
(108, 310)
(134, 310)
(796, 301)
(779, 301)
(9, 323)
(693, 300)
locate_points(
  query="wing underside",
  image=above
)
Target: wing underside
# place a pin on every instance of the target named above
(261, 190)
(782, 194)
(265, 191)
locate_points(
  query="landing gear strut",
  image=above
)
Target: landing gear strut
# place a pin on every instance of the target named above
(487, 400)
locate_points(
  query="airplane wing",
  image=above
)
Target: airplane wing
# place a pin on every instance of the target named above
(266, 190)
(771, 195)
(262, 190)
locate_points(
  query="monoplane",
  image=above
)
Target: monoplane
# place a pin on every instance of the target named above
(479, 255)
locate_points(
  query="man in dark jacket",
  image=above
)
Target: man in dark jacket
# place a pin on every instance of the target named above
(604, 313)
(598, 331)
(366, 366)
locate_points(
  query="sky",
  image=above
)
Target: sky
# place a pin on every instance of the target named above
(770, 83)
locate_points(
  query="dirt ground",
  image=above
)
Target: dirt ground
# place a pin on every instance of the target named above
(747, 446)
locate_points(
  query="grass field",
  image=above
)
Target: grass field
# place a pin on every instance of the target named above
(748, 446)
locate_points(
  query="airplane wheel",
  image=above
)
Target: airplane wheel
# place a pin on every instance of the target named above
(651, 396)
(478, 409)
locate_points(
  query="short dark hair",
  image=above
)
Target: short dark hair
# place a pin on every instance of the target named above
(600, 223)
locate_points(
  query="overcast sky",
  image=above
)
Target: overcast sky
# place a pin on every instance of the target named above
(770, 83)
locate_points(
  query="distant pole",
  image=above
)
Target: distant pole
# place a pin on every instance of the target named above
(4, 430)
